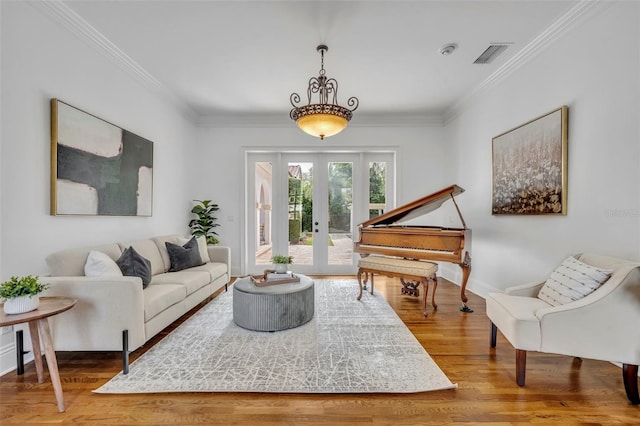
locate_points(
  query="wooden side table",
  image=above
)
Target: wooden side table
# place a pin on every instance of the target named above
(39, 328)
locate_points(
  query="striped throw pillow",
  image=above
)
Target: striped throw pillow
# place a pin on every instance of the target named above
(571, 281)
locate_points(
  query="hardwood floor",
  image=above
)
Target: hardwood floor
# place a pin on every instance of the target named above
(559, 390)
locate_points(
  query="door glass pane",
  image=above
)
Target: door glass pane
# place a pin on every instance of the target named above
(300, 209)
(377, 188)
(263, 189)
(340, 242)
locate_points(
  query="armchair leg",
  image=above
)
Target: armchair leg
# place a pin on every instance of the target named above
(494, 335)
(521, 366)
(630, 378)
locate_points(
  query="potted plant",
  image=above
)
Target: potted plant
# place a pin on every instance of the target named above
(21, 294)
(281, 262)
(205, 222)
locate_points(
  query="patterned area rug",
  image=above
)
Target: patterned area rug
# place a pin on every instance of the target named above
(349, 346)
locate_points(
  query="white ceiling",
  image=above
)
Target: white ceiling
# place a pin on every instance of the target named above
(245, 58)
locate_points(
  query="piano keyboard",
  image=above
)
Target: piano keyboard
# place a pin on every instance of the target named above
(410, 249)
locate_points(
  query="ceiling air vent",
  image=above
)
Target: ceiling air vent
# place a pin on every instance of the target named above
(491, 52)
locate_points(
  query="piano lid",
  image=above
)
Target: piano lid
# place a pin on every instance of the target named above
(417, 208)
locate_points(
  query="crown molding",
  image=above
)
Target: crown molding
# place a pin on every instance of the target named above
(397, 119)
(241, 120)
(67, 17)
(63, 14)
(277, 120)
(60, 12)
(578, 13)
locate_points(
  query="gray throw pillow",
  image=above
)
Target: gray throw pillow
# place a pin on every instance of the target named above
(183, 257)
(133, 264)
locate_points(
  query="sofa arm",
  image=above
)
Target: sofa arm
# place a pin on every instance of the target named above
(526, 290)
(105, 307)
(221, 254)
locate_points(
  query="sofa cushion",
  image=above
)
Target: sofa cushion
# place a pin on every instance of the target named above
(214, 269)
(133, 264)
(517, 318)
(571, 281)
(398, 266)
(101, 265)
(183, 257)
(157, 298)
(149, 250)
(70, 263)
(190, 279)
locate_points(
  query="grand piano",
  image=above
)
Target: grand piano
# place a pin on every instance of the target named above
(390, 235)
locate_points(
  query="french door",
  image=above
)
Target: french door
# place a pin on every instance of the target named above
(309, 205)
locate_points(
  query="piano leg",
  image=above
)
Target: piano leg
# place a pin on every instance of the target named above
(411, 288)
(466, 270)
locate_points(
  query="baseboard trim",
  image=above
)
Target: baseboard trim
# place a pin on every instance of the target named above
(8, 361)
(7, 358)
(453, 273)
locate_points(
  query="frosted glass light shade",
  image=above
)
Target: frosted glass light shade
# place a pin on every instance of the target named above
(322, 125)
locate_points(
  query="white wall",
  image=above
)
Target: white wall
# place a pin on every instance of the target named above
(42, 60)
(594, 69)
(421, 165)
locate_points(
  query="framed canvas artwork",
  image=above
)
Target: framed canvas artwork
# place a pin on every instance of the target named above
(98, 168)
(530, 167)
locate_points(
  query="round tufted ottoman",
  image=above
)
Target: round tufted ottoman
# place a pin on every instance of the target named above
(275, 307)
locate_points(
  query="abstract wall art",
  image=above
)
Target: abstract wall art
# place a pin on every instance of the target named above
(530, 167)
(98, 168)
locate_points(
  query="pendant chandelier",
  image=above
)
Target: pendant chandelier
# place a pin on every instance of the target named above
(325, 118)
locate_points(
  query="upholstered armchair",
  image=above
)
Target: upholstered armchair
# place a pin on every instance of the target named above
(575, 315)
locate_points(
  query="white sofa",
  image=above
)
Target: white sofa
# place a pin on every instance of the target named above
(116, 313)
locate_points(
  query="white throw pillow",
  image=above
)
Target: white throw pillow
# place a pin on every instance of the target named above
(571, 281)
(100, 265)
(202, 247)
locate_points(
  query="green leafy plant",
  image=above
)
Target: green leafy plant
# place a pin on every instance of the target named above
(23, 286)
(203, 225)
(281, 258)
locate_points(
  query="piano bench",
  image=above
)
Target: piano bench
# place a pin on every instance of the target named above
(415, 270)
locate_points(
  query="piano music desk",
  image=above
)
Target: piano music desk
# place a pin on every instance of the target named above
(414, 270)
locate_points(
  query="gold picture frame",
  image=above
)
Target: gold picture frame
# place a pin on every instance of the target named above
(530, 167)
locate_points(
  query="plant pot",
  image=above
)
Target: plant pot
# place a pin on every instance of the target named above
(22, 304)
(281, 268)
